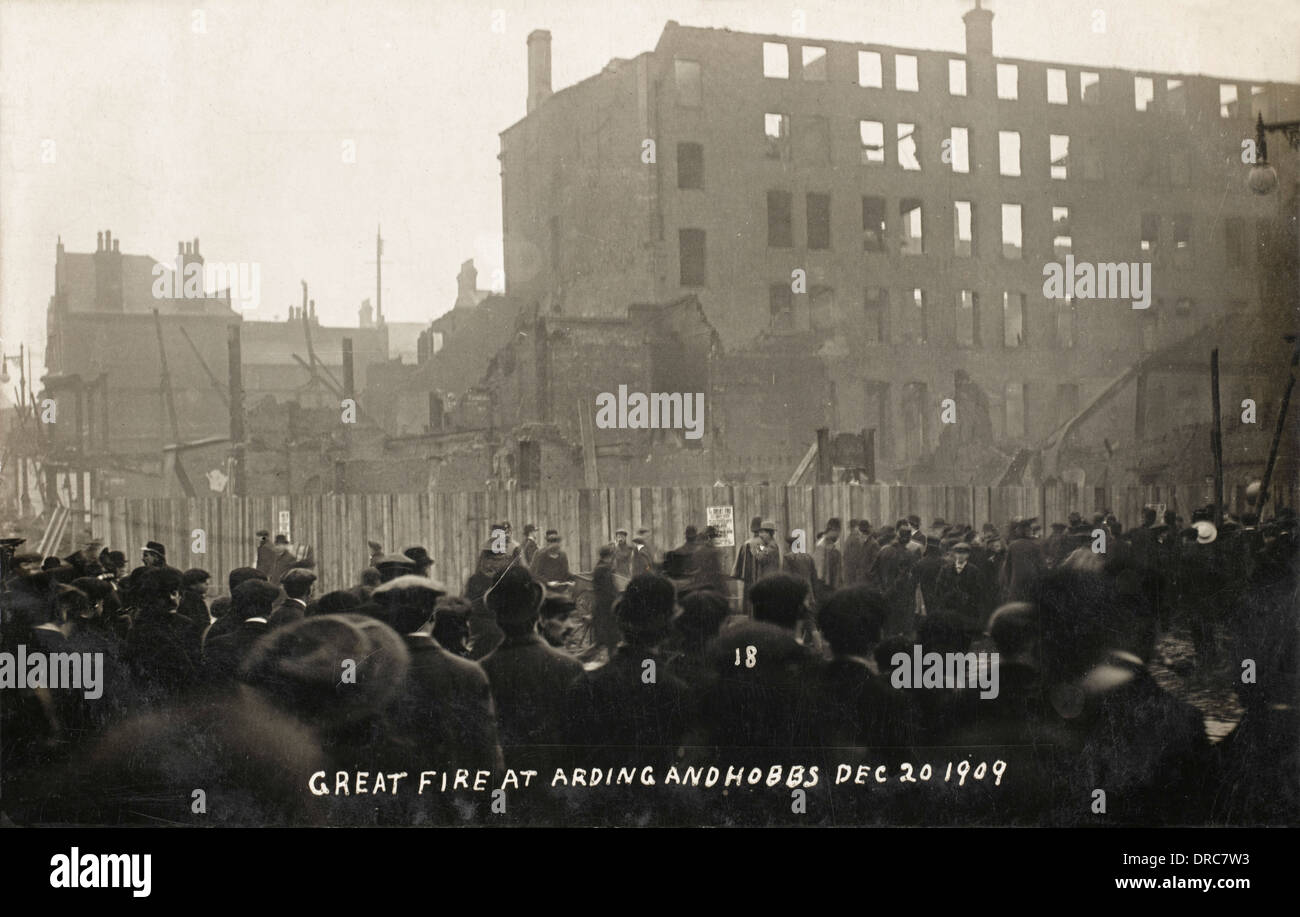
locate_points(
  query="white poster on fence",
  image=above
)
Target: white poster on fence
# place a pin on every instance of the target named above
(722, 518)
(283, 527)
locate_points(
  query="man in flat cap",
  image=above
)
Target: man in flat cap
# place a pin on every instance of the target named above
(550, 564)
(961, 589)
(445, 710)
(297, 586)
(624, 552)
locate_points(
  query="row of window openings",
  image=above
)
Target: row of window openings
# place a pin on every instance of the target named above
(917, 411)
(916, 316)
(815, 148)
(912, 240)
(813, 59)
(692, 256)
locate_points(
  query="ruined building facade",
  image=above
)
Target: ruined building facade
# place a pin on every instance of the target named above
(890, 211)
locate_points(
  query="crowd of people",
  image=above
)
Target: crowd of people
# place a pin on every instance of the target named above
(221, 710)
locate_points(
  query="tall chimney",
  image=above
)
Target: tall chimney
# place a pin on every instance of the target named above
(196, 245)
(116, 243)
(99, 241)
(979, 31)
(539, 67)
(108, 240)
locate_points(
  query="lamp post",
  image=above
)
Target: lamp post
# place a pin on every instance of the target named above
(1263, 177)
(25, 503)
(1263, 180)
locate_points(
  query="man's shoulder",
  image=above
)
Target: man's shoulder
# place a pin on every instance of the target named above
(429, 654)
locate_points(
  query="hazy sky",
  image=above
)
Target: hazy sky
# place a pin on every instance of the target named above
(234, 133)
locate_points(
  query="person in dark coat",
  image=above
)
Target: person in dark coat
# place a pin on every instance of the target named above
(709, 564)
(484, 633)
(604, 623)
(162, 648)
(287, 556)
(220, 607)
(686, 564)
(250, 609)
(265, 561)
(856, 708)
(89, 632)
(194, 603)
(859, 552)
(528, 677)
(961, 589)
(614, 707)
(154, 554)
(826, 554)
(1144, 746)
(530, 546)
(925, 573)
(1023, 567)
(894, 581)
(767, 707)
(1058, 545)
(801, 566)
(297, 585)
(703, 612)
(624, 553)
(445, 708)
(757, 557)
(550, 564)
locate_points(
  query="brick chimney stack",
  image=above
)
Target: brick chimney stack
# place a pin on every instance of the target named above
(539, 67)
(979, 31)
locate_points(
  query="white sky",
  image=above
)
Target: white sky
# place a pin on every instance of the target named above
(234, 135)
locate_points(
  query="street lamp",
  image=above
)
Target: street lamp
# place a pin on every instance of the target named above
(4, 365)
(1263, 177)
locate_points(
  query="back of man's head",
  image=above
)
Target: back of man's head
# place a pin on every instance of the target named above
(778, 599)
(515, 599)
(243, 575)
(1014, 628)
(156, 584)
(646, 608)
(852, 619)
(703, 612)
(407, 602)
(253, 598)
(297, 583)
